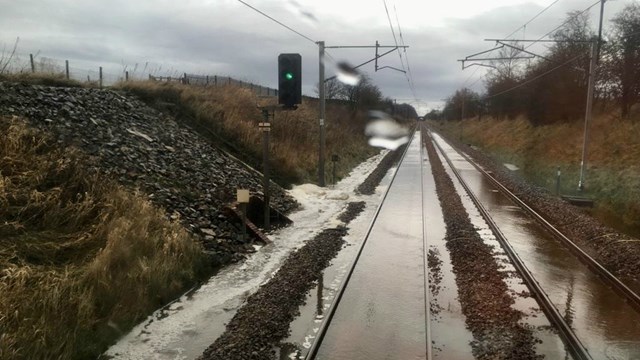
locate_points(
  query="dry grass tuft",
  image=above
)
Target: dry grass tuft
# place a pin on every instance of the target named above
(81, 259)
(42, 78)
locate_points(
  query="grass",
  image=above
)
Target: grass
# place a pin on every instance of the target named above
(81, 259)
(613, 172)
(229, 117)
(42, 78)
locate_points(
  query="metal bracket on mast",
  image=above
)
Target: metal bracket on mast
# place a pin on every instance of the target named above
(377, 46)
(472, 57)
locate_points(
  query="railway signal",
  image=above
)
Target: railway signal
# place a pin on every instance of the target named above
(289, 80)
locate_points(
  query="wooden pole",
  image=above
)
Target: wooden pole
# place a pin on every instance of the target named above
(33, 65)
(100, 76)
(66, 68)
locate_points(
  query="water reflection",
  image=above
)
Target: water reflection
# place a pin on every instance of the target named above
(320, 303)
(569, 313)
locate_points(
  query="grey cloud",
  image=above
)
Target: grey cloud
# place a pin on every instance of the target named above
(224, 37)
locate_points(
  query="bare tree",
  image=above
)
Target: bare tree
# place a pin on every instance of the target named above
(505, 75)
(332, 89)
(364, 95)
(509, 67)
(5, 59)
(624, 57)
(464, 103)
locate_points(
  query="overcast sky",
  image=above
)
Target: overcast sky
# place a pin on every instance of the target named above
(225, 37)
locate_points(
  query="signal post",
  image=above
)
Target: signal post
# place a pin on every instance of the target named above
(289, 96)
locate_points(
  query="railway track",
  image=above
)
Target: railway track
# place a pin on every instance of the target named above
(574, 345)
(572, 342)
(619, 286)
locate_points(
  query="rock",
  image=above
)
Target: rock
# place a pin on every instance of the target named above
(208, 232)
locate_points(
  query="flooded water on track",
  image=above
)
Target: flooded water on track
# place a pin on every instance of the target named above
(607, 326)
(382, 312)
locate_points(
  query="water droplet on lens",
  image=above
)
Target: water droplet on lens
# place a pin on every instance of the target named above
(377, 114)
(347, 74)
(388, 143)
(296, 8)
(384, 131)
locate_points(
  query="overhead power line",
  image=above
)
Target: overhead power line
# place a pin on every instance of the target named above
(406, 56)
(393, 32)
(278, 22)
(395, 39)
(506, 37)
(533, 18)
(537, 77)
(564, 23)
(547, 34)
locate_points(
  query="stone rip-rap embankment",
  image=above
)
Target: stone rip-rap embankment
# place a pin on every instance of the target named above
(142, 148)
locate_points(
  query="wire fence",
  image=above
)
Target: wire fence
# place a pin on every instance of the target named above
(216, 80)
(20, 63)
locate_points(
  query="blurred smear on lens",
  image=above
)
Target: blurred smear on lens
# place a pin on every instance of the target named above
(347, 74)
(388, 144)
(297, 9)
(385, 132)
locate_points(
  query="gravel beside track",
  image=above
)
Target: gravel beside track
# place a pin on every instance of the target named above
(368, 186)
(484, 296)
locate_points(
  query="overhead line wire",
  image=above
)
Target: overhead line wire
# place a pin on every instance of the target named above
(542, 37)
(506, 37)
(533, 18)
(393, 32)
(406, 56)
(278, 22)
(564, 23)
(395, 39)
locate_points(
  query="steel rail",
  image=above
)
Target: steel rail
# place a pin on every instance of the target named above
(572, 342)
(425, 252)
(608, 278)
(315, 346)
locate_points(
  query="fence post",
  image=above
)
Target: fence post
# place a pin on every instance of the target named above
(184, 81)
(66, 68)
(126, 75)
(229, 78)
(33, 65)
(207, 84)
(215, 80)
(101, 77)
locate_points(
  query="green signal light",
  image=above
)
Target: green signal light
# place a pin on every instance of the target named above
(288, 76)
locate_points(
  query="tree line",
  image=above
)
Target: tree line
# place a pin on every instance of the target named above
(366, 96)
(553, 89)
